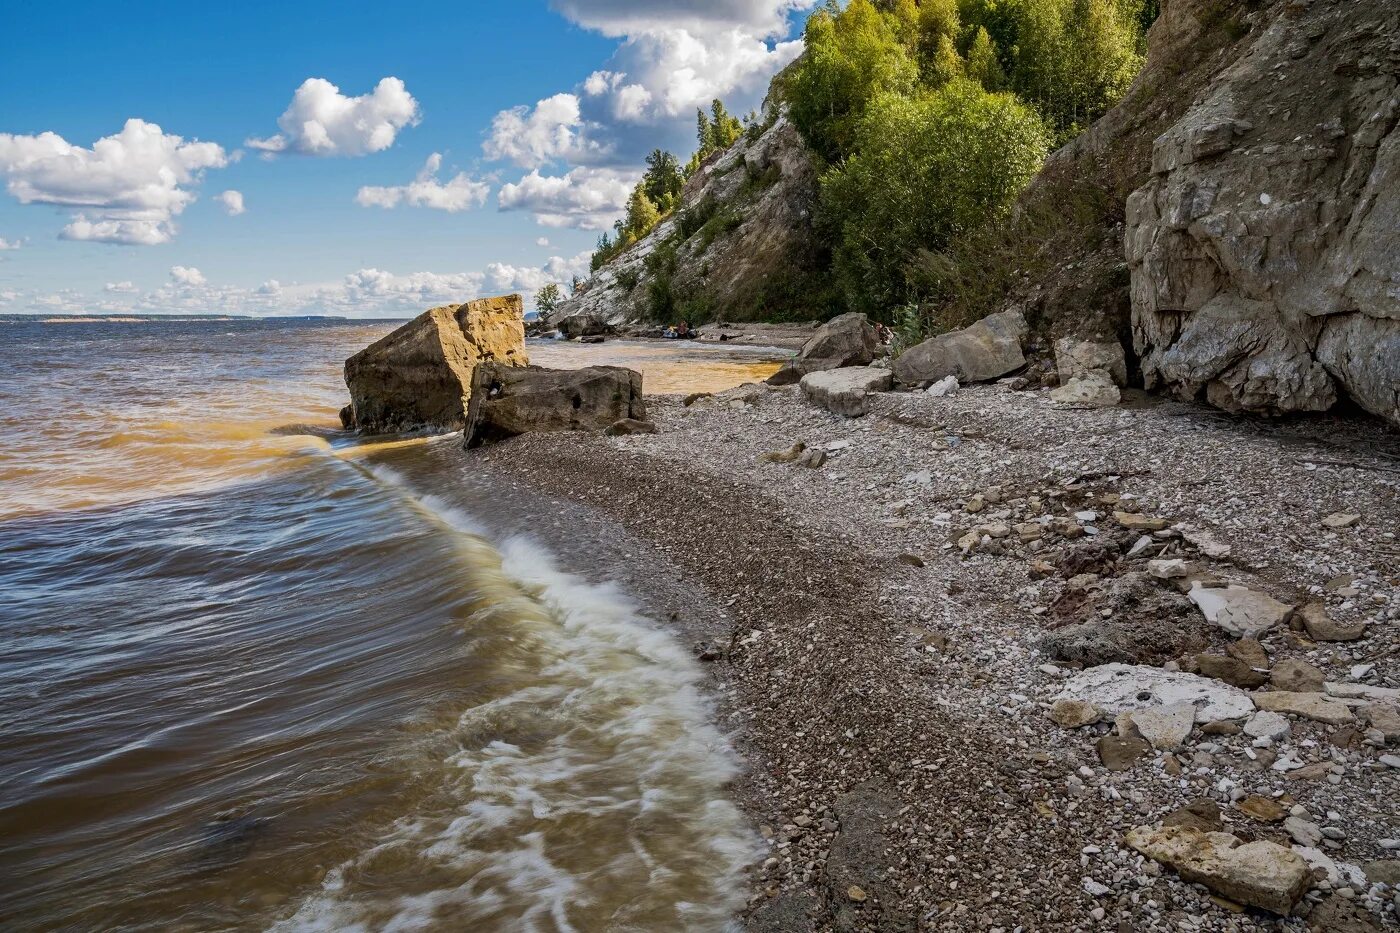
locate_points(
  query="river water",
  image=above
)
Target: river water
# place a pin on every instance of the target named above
(255, 674)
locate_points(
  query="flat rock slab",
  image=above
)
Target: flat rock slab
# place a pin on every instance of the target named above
(1261, 874)
(1240, 611)
(1165, 727)
(1088, 390)
(1316, 706)
(846, 391)
(1119, 688)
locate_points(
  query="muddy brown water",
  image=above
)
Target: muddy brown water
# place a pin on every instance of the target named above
(254, 674)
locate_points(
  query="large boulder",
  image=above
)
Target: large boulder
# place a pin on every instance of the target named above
(846, 391)
(510, 400)
(845, 340)
(420, 376)
(985, 350)
(1265, 249)
(584, 325)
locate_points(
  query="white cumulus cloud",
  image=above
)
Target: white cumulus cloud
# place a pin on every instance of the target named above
(551, 130)
(557, 269)
(368, 286)
(322, 121)
(232, 202)
(129, 186)
(187, 275)
(584, 198)
(120, 288)
(458, 193)
(8, 244)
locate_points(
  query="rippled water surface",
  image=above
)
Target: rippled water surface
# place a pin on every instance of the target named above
(256, 675)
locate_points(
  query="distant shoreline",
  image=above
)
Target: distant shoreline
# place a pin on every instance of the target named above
(181, 318)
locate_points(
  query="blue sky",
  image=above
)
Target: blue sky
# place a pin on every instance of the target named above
(380, 159)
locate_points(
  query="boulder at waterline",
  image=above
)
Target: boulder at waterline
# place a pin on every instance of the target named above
(845, 340)
(584, 325)
(511, 400)
(420, 375)
(984, 350)
(846, 391)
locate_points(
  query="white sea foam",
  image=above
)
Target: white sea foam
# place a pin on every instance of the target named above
(588, 793)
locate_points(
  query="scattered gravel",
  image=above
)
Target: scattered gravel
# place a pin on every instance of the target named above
(877, 626)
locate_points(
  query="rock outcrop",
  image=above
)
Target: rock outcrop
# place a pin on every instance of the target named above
(845, 340)
(984, 350)
(420, 376)
(510, 400)
(737, 247)
(1265, 249)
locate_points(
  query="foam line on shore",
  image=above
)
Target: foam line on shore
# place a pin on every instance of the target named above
(590, 787)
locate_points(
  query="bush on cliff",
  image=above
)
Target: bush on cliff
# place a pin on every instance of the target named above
(930, 167)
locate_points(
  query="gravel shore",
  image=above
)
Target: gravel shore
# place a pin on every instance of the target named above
(888, 630)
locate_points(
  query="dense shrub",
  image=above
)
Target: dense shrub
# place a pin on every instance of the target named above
(930, 167)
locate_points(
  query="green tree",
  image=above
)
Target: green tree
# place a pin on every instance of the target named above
(642, 215)
(947, 64)
(853, 55)
(663, 180)
(547, 300)
(929, 167)
(983, 65)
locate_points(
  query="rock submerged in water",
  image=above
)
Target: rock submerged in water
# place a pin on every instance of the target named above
(420, 376)
(510, 400)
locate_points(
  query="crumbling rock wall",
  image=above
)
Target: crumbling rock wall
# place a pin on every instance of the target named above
(1265, 249)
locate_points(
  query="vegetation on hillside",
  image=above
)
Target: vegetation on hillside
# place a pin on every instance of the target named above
(930, 117)
(927, 119)
(658, 193)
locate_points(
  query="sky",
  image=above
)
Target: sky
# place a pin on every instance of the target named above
(355, 159)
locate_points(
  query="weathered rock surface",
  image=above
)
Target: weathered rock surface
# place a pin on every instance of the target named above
(511, 400)
(1240, 611)
(584, 324)
(845, 340)
(1261, 874)
(1318, 706)
(985, 350)
(1076, 357)
(1118, 688)
(1088, 390)
(1265, 250)
(1164, 727)
(1296, 675)
(420, 375)
(1233, 671)
(846, 391)
(1322, 627)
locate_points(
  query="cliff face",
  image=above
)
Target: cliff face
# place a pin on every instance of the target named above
(736, 247)
(1265, 248)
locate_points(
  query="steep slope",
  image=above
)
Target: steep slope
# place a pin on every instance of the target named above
(738, 246)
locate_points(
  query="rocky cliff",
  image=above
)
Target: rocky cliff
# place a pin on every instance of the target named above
(1265, 248)
(738, 246)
